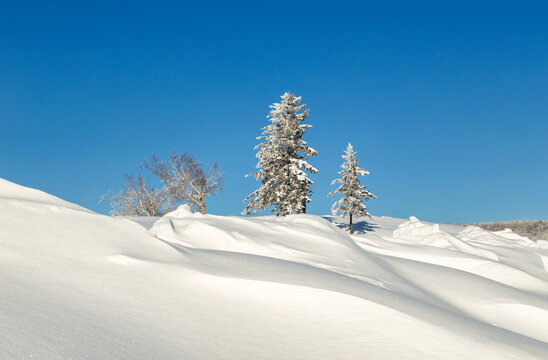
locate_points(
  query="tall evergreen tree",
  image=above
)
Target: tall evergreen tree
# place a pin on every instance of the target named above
(282, 166)
(350, 187)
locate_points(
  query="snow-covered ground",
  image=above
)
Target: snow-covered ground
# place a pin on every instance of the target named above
(75, 284)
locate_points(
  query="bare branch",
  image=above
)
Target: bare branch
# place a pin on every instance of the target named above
(185, 180)
(138, 199)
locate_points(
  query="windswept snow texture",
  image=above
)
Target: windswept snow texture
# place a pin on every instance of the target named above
(75, 284)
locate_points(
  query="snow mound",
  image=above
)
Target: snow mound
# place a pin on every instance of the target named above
(319, 242)
(416, 231)
(509, 234)
(75, 284)
(500, 238)
(431, 235)
(180, 212)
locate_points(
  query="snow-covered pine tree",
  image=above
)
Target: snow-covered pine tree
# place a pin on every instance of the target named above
(282, 166)
(353, 191)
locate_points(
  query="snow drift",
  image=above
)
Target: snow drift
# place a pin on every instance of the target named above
(75, 284)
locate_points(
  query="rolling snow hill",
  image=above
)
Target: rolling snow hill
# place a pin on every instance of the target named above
(75, 284)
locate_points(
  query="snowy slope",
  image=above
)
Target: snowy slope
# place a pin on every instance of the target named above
(75, 284)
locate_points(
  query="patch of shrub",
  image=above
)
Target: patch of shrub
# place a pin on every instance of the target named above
(533, 229)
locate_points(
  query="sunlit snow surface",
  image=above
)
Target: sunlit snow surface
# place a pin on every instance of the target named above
(74, 284)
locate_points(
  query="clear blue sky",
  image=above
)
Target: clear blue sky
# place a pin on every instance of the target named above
(446, 102)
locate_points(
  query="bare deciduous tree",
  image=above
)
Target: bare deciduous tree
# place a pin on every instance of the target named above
(185, 180)
(138, 199)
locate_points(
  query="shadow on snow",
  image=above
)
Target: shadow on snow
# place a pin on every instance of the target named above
(360, 227)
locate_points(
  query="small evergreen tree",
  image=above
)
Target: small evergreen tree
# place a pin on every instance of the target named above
(282, 166)
(350, 187)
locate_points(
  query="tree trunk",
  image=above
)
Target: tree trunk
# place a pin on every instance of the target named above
(351, 226)
(304, 207)
(202, 204)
